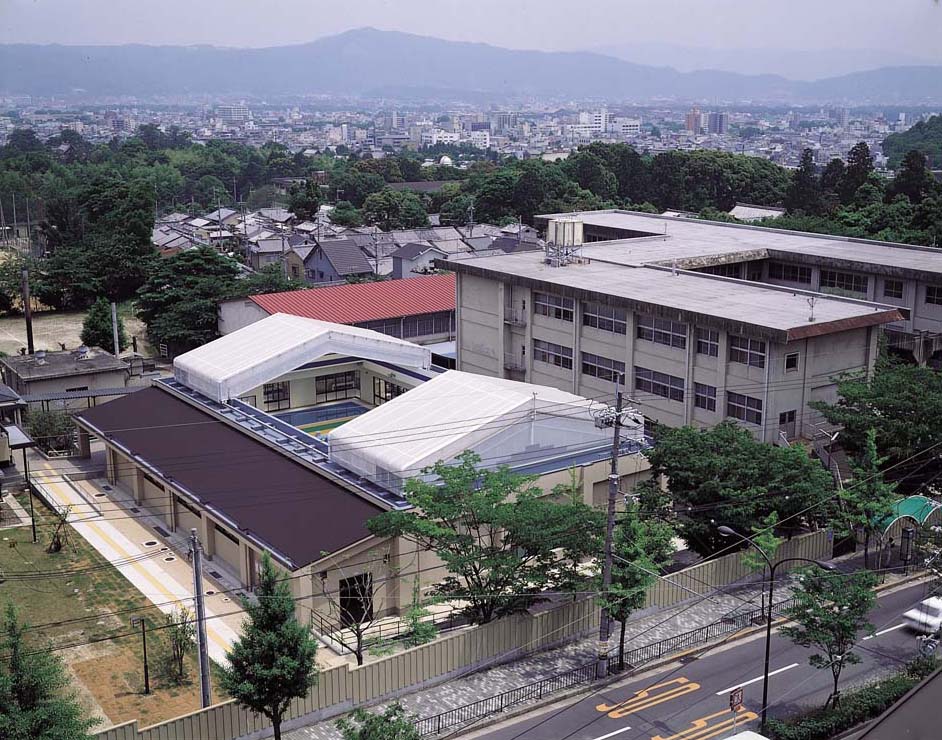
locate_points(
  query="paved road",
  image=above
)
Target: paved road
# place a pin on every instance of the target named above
(691, 701)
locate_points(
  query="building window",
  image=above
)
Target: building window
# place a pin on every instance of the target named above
(746, 351)
(189, 507)
(554, 306)
(662, 331)
(786, 424)
(383, 391)
(248, 400)
(845, 281)
(791, 362)
(744, 408)
(552, 354)
(337, 386)
(789, 273)
(356, 599)
(934, 295)
(659, 384)
(277, 395)
(892, 288)
(708, 342)
(602, 367)
(731, 270)
(704, 396)
(605, 318)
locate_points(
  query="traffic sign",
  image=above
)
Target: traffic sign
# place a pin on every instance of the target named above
(735, 699)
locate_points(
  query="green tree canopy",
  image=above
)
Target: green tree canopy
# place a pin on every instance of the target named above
(97, 330)
(273, 661)
(392, 209)
(35, 703)
(724, 476)
(496, 535)
(391, 724)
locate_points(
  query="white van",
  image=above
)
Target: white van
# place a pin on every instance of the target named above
(925, 617)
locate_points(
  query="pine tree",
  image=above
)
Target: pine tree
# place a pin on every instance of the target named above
(913, 179)
(803, 192)
(273, 661)
(857, 172)
(34, 703)
(97, 330)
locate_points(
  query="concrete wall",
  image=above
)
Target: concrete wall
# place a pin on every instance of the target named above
(237, 314)
(497, 328)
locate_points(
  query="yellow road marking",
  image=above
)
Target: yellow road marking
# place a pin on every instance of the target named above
(702, 729)
(649, 697)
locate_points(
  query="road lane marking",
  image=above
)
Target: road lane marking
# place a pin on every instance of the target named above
(703, 729)
(883, 632)
(753, 680)
(649, 697)
(612, 734)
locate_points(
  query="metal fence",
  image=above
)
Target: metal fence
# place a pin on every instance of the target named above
(494, 704)
(632, 659)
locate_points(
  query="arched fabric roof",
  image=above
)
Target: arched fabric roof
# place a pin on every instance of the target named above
(917, 508)
(258, 353)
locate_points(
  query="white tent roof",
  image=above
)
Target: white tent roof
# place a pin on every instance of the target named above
(258, 353)
(447, 415)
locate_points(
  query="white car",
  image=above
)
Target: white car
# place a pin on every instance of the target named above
(926, 617)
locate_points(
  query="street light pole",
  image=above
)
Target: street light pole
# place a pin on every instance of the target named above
(730, 532)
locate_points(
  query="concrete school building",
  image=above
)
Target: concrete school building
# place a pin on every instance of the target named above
(703, 321)
(239, 445)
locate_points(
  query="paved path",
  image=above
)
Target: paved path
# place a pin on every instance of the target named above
(161, 574)
(643, 630)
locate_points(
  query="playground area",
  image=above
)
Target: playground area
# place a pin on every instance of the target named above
(320, 420)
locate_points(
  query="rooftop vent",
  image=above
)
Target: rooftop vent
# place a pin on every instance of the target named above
(82, 353)
(41, 357)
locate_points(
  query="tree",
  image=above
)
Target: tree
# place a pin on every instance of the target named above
(97, 330)
(496, 535)
(269, 279)
(178, 302)
(273, 661)
(830, 611)
(764, 538)
(803, 192)
(392, 724)
(857, 172)
(181, 634)
(641, 548)
(344, 214)
(392, 209)
(53, 429)
(725, 465)
(867, 500)
(925, 137)
(305, 201)
(34, 701)
(913, 179)
(901, 402)
(457, 211)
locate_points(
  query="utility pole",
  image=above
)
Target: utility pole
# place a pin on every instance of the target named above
(143, 623)
(29, 489)
(27, 311)
(114, 329)
(613, 418)
(196, 553)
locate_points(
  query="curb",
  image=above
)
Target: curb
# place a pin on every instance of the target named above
(593, 687)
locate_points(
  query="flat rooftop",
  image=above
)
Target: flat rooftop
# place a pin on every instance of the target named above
(43, 366)
(684, 238)
(782, 314)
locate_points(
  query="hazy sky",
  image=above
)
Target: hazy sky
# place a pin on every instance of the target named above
(910, 26)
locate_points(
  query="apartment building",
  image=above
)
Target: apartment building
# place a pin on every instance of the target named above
(691, 347)
(902, 275)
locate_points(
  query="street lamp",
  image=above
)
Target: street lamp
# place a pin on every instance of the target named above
(135, 621)
(730, 532)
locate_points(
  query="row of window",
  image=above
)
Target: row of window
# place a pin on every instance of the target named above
(419, 325)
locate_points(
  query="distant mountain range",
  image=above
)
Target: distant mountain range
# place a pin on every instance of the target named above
(377, 63)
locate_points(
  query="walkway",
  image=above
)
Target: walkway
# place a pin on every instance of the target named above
(155, 565)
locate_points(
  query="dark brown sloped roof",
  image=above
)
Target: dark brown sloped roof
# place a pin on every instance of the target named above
(299, 513)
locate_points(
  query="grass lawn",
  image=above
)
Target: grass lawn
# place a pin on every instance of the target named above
(67, 608)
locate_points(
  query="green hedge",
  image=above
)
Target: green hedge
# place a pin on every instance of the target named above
(856, 707)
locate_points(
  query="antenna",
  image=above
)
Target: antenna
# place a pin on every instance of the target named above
(811, 302)
(673, 267)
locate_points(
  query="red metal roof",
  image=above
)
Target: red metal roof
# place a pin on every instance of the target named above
(359, 302)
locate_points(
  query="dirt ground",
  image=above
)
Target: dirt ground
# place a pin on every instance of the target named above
(52, 327)
(78, 606)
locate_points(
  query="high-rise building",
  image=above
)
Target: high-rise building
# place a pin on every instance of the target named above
(693, 121)
(718, 122)
(843, 117)
(393, 121)
(503, 121)
(231, 114)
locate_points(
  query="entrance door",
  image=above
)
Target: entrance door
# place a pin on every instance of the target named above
(356, 599)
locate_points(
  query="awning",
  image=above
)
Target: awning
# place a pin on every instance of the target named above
(18, 438)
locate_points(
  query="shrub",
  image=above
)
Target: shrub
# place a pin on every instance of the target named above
(856, 707)
(52, 429)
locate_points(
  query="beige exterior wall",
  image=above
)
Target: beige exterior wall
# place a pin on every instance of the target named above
(497, 326)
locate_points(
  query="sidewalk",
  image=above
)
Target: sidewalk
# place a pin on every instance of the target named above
(645, 629)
